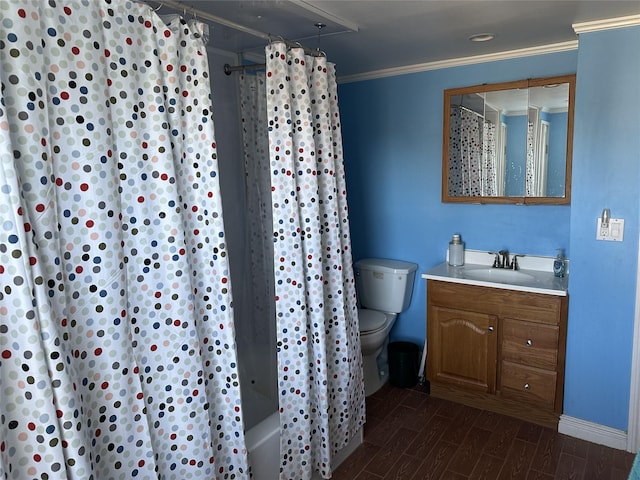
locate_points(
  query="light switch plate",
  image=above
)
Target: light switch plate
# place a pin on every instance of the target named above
(614, 232)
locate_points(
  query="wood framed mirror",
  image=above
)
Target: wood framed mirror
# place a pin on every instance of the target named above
(509, 142)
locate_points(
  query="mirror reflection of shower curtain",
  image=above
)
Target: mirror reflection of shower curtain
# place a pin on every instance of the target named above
(489, 158)
(531, 155)
(472, 154)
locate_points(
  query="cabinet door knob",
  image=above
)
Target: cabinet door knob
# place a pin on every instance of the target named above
(529, 343)
(491, 329)
(526, 386)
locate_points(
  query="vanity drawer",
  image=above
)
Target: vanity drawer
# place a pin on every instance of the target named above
(533, 344)
(530, 384)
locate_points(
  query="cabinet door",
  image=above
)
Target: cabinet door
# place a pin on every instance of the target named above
(462, 348)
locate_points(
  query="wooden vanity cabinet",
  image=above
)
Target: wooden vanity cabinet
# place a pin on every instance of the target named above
(497, 349)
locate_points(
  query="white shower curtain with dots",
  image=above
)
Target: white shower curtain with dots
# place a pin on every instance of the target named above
(472, 154)
(321, 390)
(117, 351)
(529, 183)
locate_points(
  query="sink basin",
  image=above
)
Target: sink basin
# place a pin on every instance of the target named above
(497, 275)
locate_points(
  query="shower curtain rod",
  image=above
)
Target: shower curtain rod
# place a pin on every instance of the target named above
(462, 107)
(236, 26)
(229, 69)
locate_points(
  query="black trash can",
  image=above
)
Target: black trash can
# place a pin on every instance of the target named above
(404, 363)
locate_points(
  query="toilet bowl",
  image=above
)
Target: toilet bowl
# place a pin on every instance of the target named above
(384, 290)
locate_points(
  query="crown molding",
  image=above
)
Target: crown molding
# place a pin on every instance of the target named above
(607, 24)
(457, 62)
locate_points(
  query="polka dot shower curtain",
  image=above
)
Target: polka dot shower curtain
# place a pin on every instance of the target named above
(489, 160)
(117, 354)
(321, 390)
(472, 155)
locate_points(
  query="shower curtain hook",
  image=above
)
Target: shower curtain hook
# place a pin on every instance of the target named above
(319, 26)
(275, 38)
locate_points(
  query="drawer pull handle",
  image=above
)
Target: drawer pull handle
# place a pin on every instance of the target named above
(526, 386)
(491, 329)
(529, 343)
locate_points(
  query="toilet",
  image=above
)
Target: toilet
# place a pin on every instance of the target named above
(384, 289)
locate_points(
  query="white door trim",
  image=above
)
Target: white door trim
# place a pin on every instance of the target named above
(633, 428)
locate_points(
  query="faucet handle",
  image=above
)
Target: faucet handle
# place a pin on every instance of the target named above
(514, 262)
(496, 261)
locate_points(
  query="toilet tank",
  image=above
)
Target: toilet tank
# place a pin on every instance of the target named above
(384, 284)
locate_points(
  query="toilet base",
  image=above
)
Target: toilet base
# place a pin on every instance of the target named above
(373, 381)
(375, 369)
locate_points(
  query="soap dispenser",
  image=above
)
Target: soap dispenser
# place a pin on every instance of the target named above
(456, 251)
(559, 264)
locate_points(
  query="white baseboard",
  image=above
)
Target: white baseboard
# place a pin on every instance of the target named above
(593, 432)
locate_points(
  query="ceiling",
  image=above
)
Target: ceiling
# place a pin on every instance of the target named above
(363, 36)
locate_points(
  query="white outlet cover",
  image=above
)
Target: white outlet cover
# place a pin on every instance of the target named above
(614, 232)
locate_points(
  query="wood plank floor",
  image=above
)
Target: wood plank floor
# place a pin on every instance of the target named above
(411, 435)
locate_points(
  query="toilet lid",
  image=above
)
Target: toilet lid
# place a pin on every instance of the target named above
(371, 320)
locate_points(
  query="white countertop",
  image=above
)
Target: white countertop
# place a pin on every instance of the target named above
(539, 276)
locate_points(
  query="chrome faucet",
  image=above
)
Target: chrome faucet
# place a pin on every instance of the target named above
(502, 260)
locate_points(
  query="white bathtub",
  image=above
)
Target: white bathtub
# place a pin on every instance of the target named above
(261, 417)
(263, 444)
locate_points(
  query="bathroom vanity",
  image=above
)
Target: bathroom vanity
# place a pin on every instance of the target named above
(496, 339)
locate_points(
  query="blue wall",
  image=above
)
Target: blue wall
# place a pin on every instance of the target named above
(606, 173)
(392, 134)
